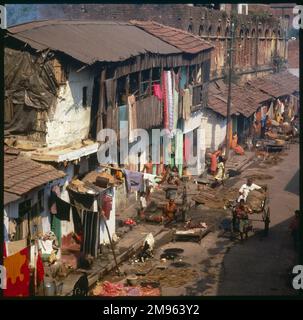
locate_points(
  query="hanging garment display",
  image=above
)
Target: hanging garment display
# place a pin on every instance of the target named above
(157, 92)
(91, 236)
(13, 247)
(270, 111)
(63, 209)
(186, 104)
(17, 274)
(40, 270)
(183, 78)
(165, 100)
(170, 101)
(134, 180)
(132, 117)
(56, 227)
(106, 204)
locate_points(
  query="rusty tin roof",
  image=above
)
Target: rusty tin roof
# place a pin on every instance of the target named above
(105, 41)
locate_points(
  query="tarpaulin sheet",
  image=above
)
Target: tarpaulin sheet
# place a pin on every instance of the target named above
(30, 86)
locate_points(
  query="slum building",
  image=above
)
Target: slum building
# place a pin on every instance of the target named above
(61, 92)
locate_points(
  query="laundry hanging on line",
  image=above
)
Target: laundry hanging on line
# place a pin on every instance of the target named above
(134, 180)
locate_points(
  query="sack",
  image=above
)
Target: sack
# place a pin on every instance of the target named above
(255, 200)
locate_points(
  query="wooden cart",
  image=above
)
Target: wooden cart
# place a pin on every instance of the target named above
(263, 215)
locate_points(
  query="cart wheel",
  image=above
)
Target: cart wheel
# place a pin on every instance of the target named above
(266, 221)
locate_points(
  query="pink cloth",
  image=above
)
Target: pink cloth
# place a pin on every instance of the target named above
(157, 92)
(165, 102)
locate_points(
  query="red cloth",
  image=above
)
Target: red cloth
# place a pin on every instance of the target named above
(214, 162)
(186, 149)
(157, 92)
(239, 150)
(107, 202)
(40, 270)
(18, 274)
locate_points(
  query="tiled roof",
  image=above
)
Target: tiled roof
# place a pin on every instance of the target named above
(22, 174)
(244, 99)
(9, 197)
(277, 85)
(185, 41)
(286, 80)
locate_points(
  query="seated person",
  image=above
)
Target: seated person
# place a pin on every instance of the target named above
(172, 179)
(170, 210)
(246, 188)
(148, 167)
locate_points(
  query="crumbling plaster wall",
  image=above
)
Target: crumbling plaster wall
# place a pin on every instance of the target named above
(70, 120)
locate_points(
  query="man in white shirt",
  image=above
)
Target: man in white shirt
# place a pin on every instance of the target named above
(246, 188)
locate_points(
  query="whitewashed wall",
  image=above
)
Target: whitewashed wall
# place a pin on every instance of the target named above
(70, 121)
(215, 128)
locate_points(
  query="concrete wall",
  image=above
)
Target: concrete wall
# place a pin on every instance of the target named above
(11, 210)
(70, 120)
(215, 128)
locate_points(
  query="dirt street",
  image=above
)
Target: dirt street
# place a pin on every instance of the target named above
(259, 266)
(219, 266)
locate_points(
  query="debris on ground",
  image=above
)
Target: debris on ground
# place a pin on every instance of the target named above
(109, 289)
(172, 277)
(259, 176)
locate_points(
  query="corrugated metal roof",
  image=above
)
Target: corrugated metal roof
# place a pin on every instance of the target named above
(91, 41)
(185, 41)
(21, 174)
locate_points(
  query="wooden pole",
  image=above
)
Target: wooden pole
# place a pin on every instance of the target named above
(111, 244)
(101, 102)
(230, 63)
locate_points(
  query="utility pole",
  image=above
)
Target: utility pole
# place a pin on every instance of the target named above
(230, 67)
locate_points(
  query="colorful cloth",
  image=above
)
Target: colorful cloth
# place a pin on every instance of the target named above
(56, 228)
(157, 92)
(17, 274)
(107, 204)
(165, 100)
